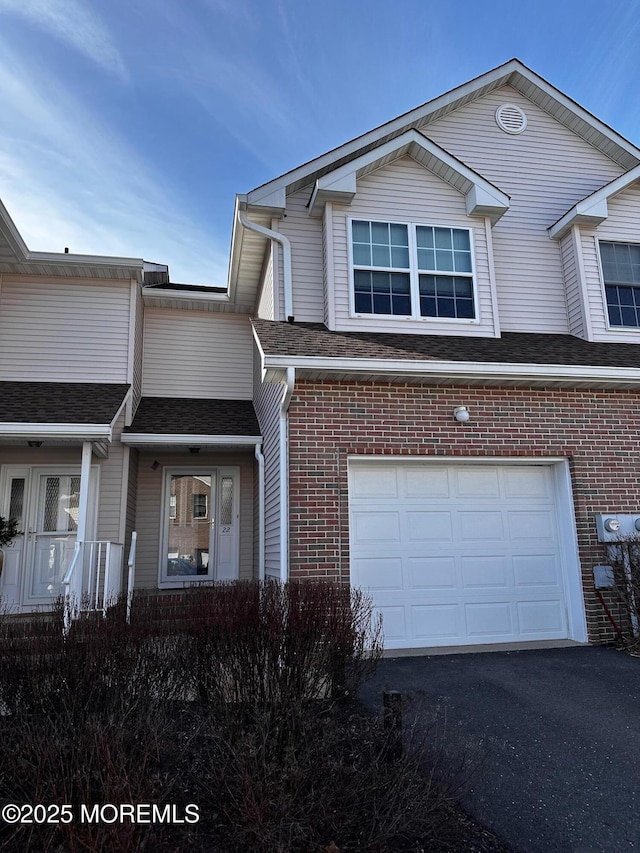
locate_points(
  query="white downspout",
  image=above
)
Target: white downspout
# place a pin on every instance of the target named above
(286, 260)
(284, 475)
(260, 461)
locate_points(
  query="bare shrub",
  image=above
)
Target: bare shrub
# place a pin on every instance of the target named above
(87, 718)
(624, 557)
(330, 781)
(272, 645)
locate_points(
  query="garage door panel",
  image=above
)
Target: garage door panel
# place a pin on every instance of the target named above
(372, 527)
(375, 482)
(490, 618)
(485, 572)
(435, 621)
(394, 625)
(427, 573)
(532, 524)
(381, 573)
(429, 526)
(477, 482)
(423, 483)
(542, 617)
(536, 570)
(528, 482)
(480, 525)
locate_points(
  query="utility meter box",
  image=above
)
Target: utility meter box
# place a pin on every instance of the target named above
(603, 577)
(615, 526)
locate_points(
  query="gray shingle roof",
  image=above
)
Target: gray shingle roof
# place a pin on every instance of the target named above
(314, 339)
(60, 402)
(188, 416)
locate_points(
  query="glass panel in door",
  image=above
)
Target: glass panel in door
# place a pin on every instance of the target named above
(55, 534)
(190, 522)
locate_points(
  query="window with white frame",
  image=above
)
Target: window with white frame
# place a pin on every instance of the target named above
(411, 270)
(621, 273)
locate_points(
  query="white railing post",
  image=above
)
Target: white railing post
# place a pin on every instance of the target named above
(78, 555)
(131, 573)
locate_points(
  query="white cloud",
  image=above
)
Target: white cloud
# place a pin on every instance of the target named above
(68, 180)
(76, 24)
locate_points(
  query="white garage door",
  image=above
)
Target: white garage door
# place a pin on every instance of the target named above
(458, 554)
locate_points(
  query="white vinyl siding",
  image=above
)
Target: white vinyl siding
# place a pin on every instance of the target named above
(545, 171)
(137, 348)
(197, 354)
(266, 402)
(266, 302)
(305, 234)
(52, 330)
(110, 499)
(149, 510)
(572, 285)
(404, 191)
(621, 226)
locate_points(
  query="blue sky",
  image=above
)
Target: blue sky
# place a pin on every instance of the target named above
(128, 126)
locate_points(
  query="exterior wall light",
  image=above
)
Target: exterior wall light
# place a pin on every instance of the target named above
(461, 414)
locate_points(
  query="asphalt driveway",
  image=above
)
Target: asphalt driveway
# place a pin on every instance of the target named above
(554, 735)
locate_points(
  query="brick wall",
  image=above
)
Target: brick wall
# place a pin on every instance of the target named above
(596, 430)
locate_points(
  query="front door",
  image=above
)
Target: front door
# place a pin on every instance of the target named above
(45, 501)
(201, 522)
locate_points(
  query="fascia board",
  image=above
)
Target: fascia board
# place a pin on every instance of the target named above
(151, 294)
(126, 399)
(140, 438)
(453, 369)
(84, 432)
(12, 234)
(136, 264)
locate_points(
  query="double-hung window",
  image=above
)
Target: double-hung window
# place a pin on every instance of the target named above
(621, 272)
(411, 270)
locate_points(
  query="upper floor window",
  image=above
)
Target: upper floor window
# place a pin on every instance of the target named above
(411, 270)
(621, 272)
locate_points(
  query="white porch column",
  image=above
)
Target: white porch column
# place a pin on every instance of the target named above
(83, 503)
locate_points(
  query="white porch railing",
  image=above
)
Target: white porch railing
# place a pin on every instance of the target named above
(93, 579)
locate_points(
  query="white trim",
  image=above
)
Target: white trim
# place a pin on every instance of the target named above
(150, 293)
(414, 273)
(329, 260)
(568, 539)
(260, 351)
(142, 438)
(83, 498)
(453, 369)
(576, 235)
(64, 431)
(633, 332)
(493, 287)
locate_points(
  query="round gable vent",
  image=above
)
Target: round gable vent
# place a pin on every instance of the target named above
(511, 119)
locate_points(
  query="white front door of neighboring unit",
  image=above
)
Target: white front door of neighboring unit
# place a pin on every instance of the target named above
(200, 538)
(45, 502)
(457, 554)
